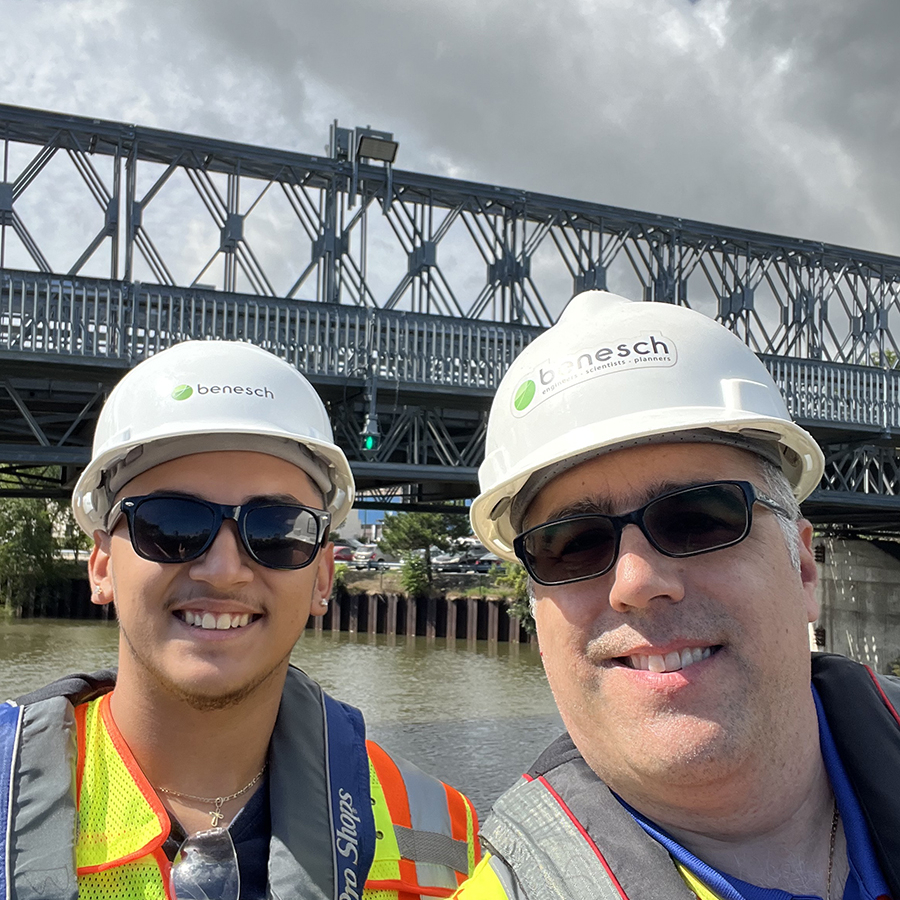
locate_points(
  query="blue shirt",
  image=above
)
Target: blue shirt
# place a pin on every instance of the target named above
(865, 881)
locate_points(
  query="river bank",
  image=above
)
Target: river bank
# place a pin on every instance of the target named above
(468, 607)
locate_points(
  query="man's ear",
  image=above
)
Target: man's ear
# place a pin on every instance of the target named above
(324, 580)
(809, 573)
(100, 570)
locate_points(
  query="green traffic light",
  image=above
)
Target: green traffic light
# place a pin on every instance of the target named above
(370, 442)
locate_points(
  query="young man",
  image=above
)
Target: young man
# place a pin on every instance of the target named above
(642, 465)
(207, 766)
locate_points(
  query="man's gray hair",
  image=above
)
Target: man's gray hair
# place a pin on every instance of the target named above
(778, 488)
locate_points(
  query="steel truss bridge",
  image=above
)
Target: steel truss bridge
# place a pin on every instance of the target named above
(403, 297)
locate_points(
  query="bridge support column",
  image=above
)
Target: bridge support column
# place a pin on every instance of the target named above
(430, 620)
(493, 612)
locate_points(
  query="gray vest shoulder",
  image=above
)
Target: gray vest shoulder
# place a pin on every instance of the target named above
(565, 836)
(43, 816)
(301, 855)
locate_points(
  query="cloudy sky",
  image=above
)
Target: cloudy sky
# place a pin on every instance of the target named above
(777, 115)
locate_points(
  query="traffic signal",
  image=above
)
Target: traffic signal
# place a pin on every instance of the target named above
(370, 436)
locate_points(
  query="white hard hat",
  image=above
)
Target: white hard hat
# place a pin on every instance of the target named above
(200, 396)
(611, 374)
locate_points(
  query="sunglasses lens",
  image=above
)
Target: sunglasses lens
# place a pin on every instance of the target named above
(206, 868)
(282, 537)
(707, 517)
(570, 549)
(699, 519)
(171, 529)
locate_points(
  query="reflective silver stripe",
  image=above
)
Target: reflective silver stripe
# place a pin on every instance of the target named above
(550, 857)
(428, 813)
(428, 847)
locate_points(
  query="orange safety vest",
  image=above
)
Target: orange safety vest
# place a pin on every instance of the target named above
(423, 829)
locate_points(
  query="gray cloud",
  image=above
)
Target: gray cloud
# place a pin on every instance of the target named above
(772, 115)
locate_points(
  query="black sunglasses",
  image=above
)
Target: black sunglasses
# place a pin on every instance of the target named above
(685, 522)
(173, 528)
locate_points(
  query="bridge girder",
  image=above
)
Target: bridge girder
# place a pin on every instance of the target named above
(393, 240)
(423, 291)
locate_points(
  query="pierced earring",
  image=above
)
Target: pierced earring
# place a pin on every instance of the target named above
(324, 603)
(98, 589)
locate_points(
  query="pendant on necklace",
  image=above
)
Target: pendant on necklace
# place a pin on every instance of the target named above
(216, 813)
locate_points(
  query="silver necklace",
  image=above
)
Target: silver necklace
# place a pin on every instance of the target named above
(834, 824)
(219, 802)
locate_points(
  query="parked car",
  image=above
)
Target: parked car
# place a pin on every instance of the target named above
(487, 563)
(462, 560)
(370, 556)
(343, 553)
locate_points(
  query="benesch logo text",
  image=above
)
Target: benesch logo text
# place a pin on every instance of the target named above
(642, 351)
(264, 392)
(652, 346)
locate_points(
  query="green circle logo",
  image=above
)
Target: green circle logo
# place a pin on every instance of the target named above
(182, 392)
(524, 395)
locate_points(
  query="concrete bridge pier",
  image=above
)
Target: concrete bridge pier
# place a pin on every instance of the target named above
(859, 600)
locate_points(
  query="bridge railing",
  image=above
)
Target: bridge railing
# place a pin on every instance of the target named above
(95, 319)
(331, 340)
(838, 393)
(61, 316)
(114, 320)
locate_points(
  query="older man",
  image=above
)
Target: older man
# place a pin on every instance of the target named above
(208, 766)
(641, 464)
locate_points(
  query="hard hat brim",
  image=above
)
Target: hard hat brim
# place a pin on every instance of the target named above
(490, 511)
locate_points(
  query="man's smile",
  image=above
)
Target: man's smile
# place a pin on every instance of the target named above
(673, 661)
(200, 618)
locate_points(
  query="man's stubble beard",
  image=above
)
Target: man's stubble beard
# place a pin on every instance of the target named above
(198, 701)
(202, 702)
(702, 742)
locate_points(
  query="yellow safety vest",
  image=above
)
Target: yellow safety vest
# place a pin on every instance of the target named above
(122, 825)
(491, 881)
(408, 807)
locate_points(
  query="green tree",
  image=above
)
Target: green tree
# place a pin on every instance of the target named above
(405, 532)
(33, 531)
(891, 359)
(515, 577)
(67, 532)
(415, 575)
(27, 548)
